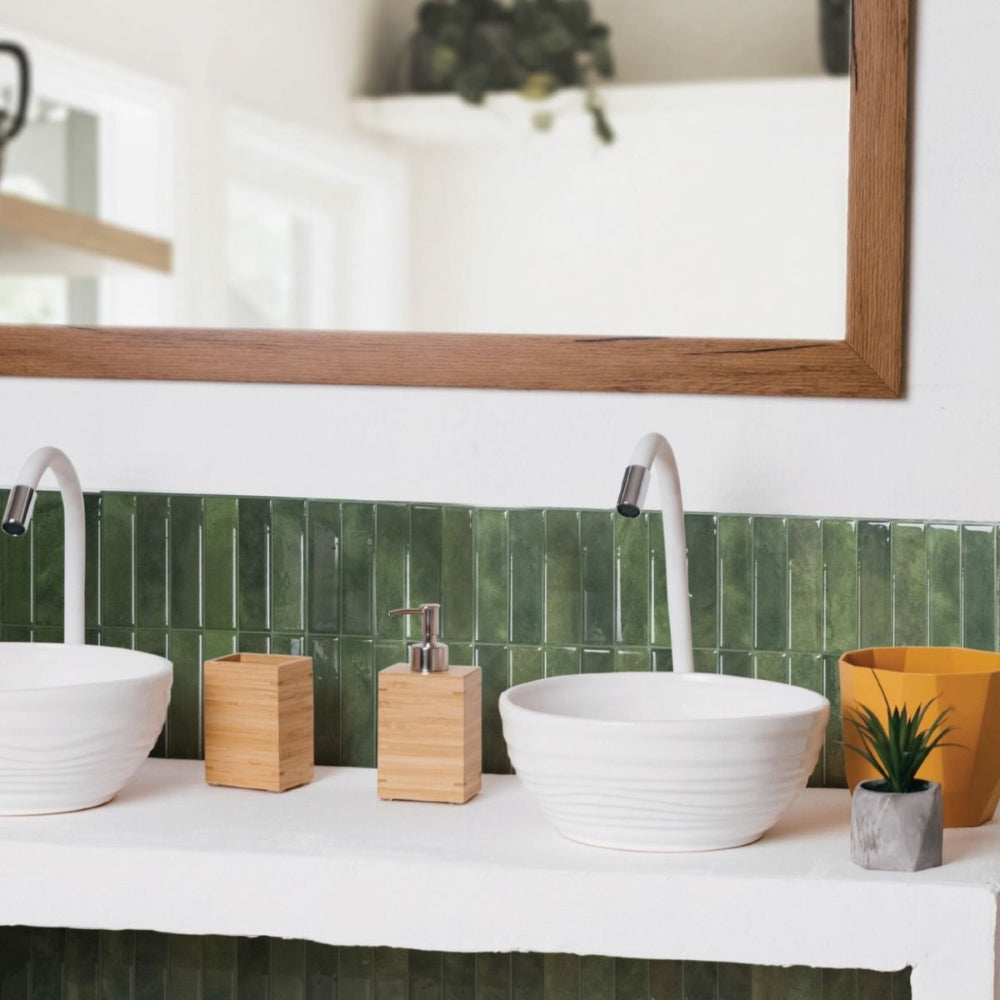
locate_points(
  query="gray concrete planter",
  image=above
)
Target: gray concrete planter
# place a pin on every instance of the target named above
(896, 832)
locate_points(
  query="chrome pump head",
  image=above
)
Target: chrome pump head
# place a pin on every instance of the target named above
(633, 491)
(17, 515)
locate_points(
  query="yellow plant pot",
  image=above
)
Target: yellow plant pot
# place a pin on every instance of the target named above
(965, 680)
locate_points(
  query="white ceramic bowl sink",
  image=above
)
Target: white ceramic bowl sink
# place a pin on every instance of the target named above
(662, 761)
(75, 722)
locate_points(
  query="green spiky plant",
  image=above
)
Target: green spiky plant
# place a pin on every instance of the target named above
(535, 47)
(898, 747)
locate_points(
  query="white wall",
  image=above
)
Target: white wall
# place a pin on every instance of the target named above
(929, 456)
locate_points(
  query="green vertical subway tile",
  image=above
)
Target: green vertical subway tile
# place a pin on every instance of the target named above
(492, 594)
(16, 633)
(426, 554)
(151, 539)
(493, 976)
(424, 975)
(840, 595)
(357, 702)
(871, 985)
(839, 984)
(771, 667)
(735, 582)
(597, 552)
(492, 660)
(458, 976)
(47, 559)
(391, 974)
(48, 633)
(900, 983)
(82, 963)
(659, 606)
(563, 578)
(117, 559)
(979, 586)
(701, 981)
(357, 974)
(322, 961)
(92, 569)
(597, 978)
(597, 661)
(48, 953)
(120, 638)
(735, 982)
(527, 663)
(662, 660)
(631, 978)
(253, 551)
(219, 968)
(117, 959)
(254, 642)
(151, 962)
(389, 652)
(633, 659)
(737, 663)
(803, 983)
(325, 655)
(218, 644)
(186, 561)
(288, 565)
(944, 585)
(15, 969)
(666, 980)
(527, 575)
(392, 563)
(289, 644)
(770, 982)
(323, 566)
(909, 585)
(357, 561)
(458, 589)
(527, 975)
(874, 583)
(15, 583)
(253, 961)
(805, 585)
(561, 660)
(562, 977)
(809, 672)
(183, 966)
(700, 531)
(221, 521)
(154, 641)
(631, 541)
(706, 661)
(286, 969)
(184, 713)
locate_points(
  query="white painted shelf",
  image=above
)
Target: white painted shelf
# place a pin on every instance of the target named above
(331, 863)
(36, 238)
(446, 118)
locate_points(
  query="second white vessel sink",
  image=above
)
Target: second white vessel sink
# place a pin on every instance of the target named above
(663, 761)
(75, 722)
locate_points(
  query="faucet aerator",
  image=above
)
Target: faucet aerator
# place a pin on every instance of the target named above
(633, 491)
(17, 515)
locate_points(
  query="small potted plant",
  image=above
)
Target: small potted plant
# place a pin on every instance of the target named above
(535, 47)
(896, 820)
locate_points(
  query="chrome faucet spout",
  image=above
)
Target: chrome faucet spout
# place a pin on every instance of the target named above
(17, 518)
(654, 452)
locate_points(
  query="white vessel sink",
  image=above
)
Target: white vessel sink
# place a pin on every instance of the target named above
(75, 722)
(663, 761)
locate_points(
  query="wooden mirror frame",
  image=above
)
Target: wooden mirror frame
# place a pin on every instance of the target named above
(866, 363)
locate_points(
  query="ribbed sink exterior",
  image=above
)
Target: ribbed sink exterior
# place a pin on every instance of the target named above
(663, 762)
(75, 723)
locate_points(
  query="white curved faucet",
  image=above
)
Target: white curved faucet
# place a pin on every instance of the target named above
(654, 450)
(17, 517)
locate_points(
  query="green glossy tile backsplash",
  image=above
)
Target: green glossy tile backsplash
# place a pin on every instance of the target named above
(524, 594)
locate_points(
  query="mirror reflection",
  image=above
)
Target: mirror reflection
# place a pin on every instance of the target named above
(300, 186)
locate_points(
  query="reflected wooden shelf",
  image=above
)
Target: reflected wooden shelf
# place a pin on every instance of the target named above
(36, 238)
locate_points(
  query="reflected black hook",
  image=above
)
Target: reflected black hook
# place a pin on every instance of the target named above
(12, 123)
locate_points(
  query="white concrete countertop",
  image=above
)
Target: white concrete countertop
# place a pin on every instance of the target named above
(329, 862)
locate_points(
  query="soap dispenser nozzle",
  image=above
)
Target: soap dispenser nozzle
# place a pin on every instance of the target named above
(427, 656)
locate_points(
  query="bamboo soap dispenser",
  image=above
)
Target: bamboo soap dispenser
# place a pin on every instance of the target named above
(430, 728)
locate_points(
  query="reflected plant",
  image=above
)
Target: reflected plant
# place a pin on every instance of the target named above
(535, 47)
(898, 747)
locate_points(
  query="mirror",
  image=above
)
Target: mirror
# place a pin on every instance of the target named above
(865, 362)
